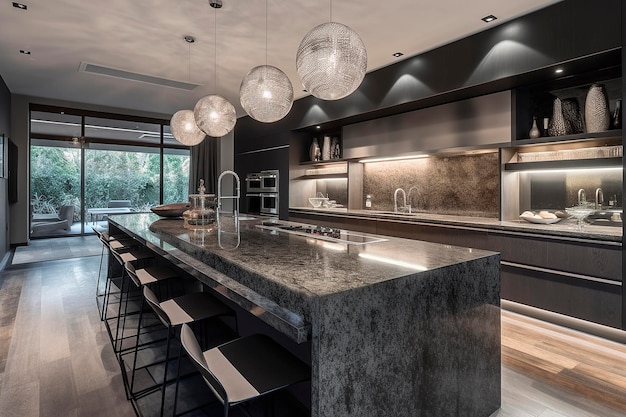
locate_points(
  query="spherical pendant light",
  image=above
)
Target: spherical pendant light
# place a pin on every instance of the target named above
(214, 115)
(331, 61)
(266, 94)
(184, 128)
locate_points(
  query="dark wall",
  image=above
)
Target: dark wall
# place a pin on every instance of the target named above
(497, 59)
(5, 129)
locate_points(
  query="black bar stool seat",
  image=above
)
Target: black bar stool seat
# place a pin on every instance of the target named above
(246, 368)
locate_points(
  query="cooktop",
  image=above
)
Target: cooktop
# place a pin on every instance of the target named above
(323, 233)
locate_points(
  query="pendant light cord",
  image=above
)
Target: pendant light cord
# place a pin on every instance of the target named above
(215, 50)
(331, 11)
(265, 32)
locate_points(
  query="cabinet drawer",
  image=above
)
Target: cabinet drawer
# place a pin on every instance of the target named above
(598, 302)
(585, 258)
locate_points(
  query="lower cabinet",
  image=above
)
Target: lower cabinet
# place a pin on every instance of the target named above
(577, 278)
(595, 300)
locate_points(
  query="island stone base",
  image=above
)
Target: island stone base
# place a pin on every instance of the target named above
(427, 345)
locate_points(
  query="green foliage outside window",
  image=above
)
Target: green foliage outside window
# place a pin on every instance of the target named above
(109, 175)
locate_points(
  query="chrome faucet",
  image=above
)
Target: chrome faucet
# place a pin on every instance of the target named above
(408, 197)
(395, 200)
(235, 197)
(599, 198)
(582, 198)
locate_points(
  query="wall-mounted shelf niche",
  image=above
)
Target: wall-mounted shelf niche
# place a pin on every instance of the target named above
(331, 169)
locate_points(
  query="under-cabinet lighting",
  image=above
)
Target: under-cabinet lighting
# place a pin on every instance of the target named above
(393, 158)
(565, 170)
(390, 261)
(558, 70)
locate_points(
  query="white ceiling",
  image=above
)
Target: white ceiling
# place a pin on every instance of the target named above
(146, 37)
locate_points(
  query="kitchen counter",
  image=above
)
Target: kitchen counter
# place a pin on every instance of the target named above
(563, 229)
(396, 326)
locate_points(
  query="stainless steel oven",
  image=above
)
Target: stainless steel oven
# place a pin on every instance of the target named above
(262, 192)
(262, 203)
(262, 182)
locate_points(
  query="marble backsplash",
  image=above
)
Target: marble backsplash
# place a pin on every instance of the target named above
(464, 184)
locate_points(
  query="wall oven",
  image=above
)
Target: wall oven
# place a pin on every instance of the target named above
(262, 203)
(262, 182)
(262, 192)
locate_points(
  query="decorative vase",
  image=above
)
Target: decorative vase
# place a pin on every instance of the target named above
(314, 150)
(335, 150)
(534, 130)
(572, 116)
(326, 148)
(557, 122)
(617, 115)
(597, 114)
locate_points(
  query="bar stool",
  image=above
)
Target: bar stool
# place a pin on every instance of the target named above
(106, 239)
(183, 310)
(123, 254)
(244, 369)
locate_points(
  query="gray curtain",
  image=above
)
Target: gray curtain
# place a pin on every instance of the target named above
(204, 165)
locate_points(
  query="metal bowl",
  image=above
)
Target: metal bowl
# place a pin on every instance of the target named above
(171, 210)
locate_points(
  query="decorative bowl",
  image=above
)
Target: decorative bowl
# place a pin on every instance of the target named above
(171, 210)
(540, 220)
(317, 201)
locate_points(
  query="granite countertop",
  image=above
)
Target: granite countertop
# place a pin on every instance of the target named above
(563, 229)
(293, 270)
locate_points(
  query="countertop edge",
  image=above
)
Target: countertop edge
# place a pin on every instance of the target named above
(475, 223)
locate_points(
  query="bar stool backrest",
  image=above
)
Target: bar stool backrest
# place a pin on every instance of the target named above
(154, 304)
(130, 268)
(191, 346)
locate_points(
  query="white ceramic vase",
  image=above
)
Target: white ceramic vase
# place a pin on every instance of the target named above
(326, 148)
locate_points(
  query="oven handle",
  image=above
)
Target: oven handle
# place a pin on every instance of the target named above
(254, 195)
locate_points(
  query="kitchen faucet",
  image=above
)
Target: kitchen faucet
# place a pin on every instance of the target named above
(395, 200)
(411, 205)
(234, 197)
(582, 198)
(599, 198)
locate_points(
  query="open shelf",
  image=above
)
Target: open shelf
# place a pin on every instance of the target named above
(565, 164)
(615, 135)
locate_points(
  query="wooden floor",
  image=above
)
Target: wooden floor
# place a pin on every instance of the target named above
(56, 359)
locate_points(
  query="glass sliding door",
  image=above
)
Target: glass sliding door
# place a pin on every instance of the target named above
(124, 178)
(96, 164)
(175, 176)
(55, 175)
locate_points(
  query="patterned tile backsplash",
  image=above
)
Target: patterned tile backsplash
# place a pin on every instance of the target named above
(466, 184)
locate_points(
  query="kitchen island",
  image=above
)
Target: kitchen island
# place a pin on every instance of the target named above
(396, 327)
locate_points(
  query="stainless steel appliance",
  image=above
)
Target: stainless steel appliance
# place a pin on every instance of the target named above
(262, 192)
(262, 182)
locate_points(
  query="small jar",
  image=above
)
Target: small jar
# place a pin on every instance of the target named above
(368, 201)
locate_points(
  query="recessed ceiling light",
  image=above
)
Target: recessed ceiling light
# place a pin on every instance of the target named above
(189, 39)
(558, 70)
(20, 5)
(489, 18)
(24, 51)
(398, 54)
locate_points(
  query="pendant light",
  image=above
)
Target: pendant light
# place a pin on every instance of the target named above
(331, 60)
(266, 93)
(183, 124)
(213, 114)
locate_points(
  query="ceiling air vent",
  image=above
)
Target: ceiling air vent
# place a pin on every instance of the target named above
(127, 75)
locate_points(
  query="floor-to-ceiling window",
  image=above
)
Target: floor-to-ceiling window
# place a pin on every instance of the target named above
(93, 164)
